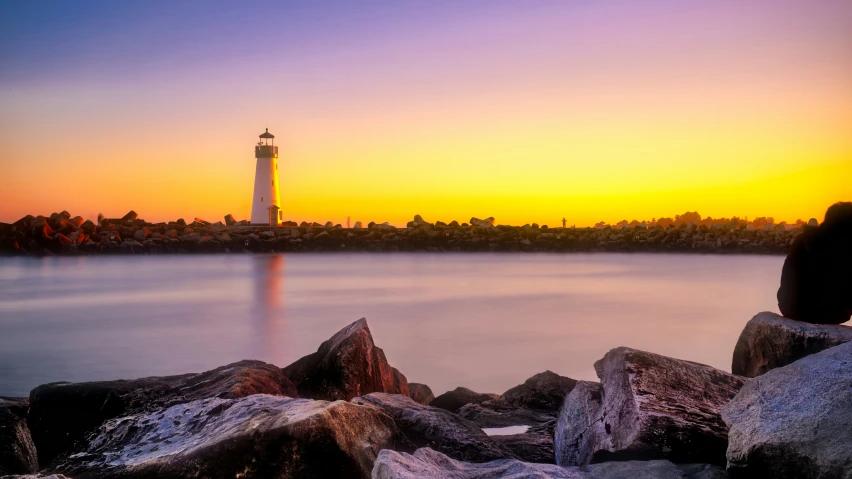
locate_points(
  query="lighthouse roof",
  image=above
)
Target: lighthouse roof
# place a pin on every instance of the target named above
(267, 134)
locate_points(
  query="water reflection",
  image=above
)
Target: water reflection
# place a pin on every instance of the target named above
(268, 310)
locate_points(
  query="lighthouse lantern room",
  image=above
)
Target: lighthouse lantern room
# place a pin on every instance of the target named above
(266, 202)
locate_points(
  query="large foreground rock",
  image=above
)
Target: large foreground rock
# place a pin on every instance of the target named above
(62, 413)
(453, 400)
(346, 366)
(795, 421)
(17, 451)
(770, 341)
(651, 407)
(253, 437)
(427, 463)
(427, 426)
(432, 464)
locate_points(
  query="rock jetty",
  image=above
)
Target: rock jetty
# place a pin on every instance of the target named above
(59, 233)
(345, 412)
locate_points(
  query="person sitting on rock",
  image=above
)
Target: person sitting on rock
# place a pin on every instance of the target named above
(816, 280)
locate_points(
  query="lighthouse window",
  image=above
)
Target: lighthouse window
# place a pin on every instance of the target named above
(261, 199)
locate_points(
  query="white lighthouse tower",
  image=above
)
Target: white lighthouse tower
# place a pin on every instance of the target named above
(266, 203)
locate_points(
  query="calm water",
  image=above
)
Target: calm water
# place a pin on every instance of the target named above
(482, 321)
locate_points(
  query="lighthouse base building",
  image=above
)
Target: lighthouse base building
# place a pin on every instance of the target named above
(266, 201)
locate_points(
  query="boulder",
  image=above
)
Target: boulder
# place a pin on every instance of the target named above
(494, 414)
(17, 451)
(130, 216)
(534, 445)
(426, 462)
(544, 391)
(769, 341)
(346, 366)
(795, 421)
(580, 429)
(357, 225)
(427, 426)
(421, 393)
(458, 397)
(652, 407)
(253, 437)
(230, 220)
(62, 413)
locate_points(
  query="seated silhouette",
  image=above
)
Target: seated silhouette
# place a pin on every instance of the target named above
(816, 281)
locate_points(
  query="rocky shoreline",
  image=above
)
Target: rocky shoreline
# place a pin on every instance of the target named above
(343, 411)
(62, 234)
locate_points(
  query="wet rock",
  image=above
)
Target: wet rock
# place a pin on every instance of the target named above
(534, 445)
(17, 451)
(252, 437)
(346, 366)
(230, 220)
(769, 341)
(458, 397)
(426, 462)
(421, 393)
(795, 421)
(427, 426)
(62, 413)
(652, 407)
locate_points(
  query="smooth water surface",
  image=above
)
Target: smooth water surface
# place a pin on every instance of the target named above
(484, 321)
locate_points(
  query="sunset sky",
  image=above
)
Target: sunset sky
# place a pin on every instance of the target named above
(525, 111)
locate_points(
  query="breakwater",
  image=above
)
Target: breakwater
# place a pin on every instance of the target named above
(61, 234)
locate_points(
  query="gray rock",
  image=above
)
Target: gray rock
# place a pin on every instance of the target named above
(253, 437)
(432, 464)
(17, 451)
(769, 341)
(580, 429)
(652, 407)
(427, 463)
(535, 445)
(421, 393)
(35, 476)
(346, 366)
(427, 426)
(62, 413)
(453, 400)
(795, 421)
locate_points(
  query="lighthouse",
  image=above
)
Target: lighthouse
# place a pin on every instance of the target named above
(266, 202)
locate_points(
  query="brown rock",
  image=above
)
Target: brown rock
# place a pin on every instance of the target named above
(62, 413)
(229, 220)
(453, 400)
(17, 451)
(346, 366)
(769, 341)
(421, 393)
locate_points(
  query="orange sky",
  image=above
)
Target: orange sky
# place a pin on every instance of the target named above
(591, 112)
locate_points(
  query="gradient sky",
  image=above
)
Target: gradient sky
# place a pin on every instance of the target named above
(525, 111)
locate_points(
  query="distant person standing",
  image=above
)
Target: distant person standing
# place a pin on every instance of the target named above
(564, 223)
(816, 280)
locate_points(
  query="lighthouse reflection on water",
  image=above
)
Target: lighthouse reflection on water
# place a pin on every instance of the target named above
(268, 312)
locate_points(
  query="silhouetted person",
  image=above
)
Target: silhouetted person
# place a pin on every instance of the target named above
(816, 281)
